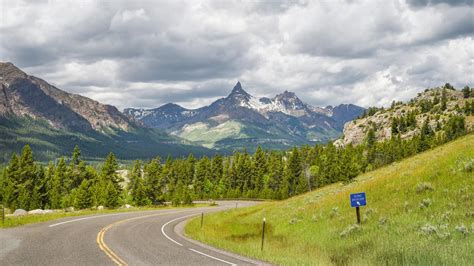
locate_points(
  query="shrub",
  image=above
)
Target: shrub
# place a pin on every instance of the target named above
(425, 203)
(349, 230)
(424, 186)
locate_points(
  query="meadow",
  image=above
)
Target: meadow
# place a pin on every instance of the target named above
(420, 211)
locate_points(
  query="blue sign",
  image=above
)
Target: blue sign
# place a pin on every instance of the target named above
(358, 199)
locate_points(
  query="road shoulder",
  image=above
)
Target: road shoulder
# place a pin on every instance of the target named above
(179, 230)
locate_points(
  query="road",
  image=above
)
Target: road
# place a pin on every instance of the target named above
(132, 238)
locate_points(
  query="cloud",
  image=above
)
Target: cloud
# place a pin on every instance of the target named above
(144, 54)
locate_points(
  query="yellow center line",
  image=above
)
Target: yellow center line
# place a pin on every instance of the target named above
(112, 255)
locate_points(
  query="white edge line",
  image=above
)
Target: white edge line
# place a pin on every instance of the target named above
(169, 238)
(204, 254)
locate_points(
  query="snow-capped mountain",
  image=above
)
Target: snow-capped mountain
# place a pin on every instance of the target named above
(241, 119)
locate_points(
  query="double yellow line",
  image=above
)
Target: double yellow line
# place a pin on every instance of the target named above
(100, 237)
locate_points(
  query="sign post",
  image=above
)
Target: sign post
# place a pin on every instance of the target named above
(202, 218)
(358, 200)
(263, 233)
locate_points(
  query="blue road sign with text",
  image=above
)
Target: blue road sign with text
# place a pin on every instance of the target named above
(358, 199)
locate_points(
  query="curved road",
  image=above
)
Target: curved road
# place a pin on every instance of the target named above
(132, 238)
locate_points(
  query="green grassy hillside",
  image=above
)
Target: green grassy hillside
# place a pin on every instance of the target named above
(420, 211)
(49, 143)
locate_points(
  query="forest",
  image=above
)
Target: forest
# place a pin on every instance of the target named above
(65, 182)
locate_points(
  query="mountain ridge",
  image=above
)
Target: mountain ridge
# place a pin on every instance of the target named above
(53, 121)
(284, 117)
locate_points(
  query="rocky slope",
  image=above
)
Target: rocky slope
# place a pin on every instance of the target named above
(25, 95)
(434, 105)
(241, 119)
(53, 121)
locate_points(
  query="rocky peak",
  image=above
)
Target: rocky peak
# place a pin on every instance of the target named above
(289, 100)
(9, 71)
(172, 106)
(238, 92)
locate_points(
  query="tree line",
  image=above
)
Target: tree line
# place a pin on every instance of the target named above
(27, 184)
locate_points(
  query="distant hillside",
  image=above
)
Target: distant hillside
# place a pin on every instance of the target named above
(53, 121)
(419, 212)
(242, 120)
(434, 106)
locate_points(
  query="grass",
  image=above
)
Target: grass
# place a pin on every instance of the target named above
(420, 212)
(11, 221)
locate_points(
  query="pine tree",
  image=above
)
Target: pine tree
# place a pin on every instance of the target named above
(444, 99)
(260, 169)
(25, 179)
(134, 181)
(426, 133)
(201, 178)
(293, 171)
(154, 183)
(111, 180)
(83, 196)
(112, 198)
(10, 196)
(371, 139)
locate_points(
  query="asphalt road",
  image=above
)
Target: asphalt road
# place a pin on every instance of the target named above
(133, 238)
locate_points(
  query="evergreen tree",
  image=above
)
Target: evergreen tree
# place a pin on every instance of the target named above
(201, 178)
(293, 171)
(112, 196)
(83, 196)
(371, 139)
(444, 100)
(153, 181)
(111, 180)
(426, 133)
(260, 169)
(10, 189)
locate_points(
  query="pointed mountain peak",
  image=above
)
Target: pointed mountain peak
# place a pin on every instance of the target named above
(237, 90)
(10, 71)
(288, 94)
(171, 106)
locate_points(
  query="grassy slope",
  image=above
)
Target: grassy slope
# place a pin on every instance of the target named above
(306, 230)
(49, 143)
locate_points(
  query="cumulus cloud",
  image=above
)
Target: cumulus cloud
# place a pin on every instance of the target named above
(145, 54)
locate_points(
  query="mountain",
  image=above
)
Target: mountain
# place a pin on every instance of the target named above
(25, 95)
(242, 120)
(435, 106)
(34, 112)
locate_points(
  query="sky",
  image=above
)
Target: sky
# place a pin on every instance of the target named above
(148, 53)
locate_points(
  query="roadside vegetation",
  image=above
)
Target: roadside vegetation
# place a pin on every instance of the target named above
(420, 211)
(26, 184)
(13, 221)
